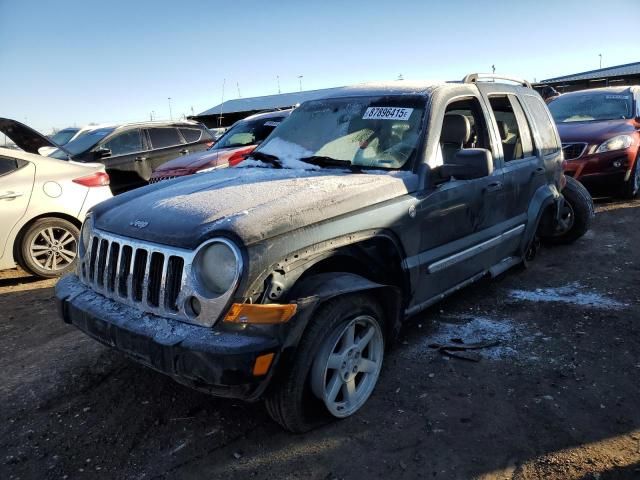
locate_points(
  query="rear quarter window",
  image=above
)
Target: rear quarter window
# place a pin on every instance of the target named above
(191, 135)
(540, 118)
(164, 137)
(9, 165)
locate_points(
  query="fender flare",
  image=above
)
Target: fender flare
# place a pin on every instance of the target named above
(545, 196)
(322, 287)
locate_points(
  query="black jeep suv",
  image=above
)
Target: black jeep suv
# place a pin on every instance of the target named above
(131, 152)
(288, 277)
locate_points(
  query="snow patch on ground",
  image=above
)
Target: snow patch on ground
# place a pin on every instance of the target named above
(573, 293)
(474, 330)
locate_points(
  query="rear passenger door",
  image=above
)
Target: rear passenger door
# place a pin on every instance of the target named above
(166, 144)
(16, 183)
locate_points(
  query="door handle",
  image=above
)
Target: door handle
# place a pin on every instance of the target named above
(140, 159)
(538, 171)
(10, 195)
(494, 187)
(185, 151)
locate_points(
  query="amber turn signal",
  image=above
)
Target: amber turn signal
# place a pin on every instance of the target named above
(260, 314)
(263, 362)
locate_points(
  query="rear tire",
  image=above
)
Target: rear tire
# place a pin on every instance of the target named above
(293, 400)
(577, 214)
(48, 247)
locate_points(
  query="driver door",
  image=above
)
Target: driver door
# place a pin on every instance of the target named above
(127, 165)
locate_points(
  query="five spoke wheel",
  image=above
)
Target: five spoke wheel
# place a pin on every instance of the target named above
(346, 369)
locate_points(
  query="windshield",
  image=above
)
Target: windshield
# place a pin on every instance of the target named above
(374, 132)
(83, 143)
(591, 107)
(248, 132)
(63, 136)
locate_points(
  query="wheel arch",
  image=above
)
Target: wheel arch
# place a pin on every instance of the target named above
(23, 229)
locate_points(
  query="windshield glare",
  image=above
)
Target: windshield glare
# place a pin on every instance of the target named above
(592, 107)
(248, 133)
(373, 132)
(83, 143)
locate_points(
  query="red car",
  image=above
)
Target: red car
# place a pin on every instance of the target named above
(600, 133)
(232, 148)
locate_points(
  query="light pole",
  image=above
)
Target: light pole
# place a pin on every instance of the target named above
(600, 55)
(278, 79)
(170, 113)
(300, 81)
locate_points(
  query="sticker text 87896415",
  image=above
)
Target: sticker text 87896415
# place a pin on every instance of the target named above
(387, 113)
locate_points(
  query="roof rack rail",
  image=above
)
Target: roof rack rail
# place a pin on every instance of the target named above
(475, 77)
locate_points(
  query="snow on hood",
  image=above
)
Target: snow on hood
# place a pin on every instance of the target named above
(253, 203)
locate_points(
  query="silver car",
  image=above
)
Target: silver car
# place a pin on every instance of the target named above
(43, 202)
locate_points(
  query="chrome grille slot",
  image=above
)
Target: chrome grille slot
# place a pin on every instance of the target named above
(137, 275)
(148, 276)
(172, 285)
(156, 267)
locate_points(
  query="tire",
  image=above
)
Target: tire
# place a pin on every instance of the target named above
(632, 186)
(577, 215)
(293, 400)
(48, 247)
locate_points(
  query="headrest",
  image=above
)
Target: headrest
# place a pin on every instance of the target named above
(455, 129)
(503, 129)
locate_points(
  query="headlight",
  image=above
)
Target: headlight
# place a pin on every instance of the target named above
(616, 143)
(218, 266)
(85, 235)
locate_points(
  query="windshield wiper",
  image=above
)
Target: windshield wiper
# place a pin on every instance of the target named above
(266, 157)
(325, 161)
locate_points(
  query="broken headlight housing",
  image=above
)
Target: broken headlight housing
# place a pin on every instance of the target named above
(217, 267)
(85, 235)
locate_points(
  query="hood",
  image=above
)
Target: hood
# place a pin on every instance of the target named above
(252, 203)
(593, 132)
(198, 160)
(25, 137)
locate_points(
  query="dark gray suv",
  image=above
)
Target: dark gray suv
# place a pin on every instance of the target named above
(288, 277)
(131, 152)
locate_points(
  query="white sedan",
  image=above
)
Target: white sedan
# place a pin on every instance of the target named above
(43, 202)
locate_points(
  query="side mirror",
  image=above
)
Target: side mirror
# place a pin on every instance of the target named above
(102, 153)
(469, 163)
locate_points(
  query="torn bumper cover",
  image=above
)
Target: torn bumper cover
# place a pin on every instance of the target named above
(218, 361)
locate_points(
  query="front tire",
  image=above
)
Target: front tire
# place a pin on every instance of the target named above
(335, 368)
(48, 247)
(576, 215)
(632, 186)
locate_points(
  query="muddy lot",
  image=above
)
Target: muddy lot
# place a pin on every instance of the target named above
(559, 397)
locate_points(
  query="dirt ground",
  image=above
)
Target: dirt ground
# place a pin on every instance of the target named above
(558, 398)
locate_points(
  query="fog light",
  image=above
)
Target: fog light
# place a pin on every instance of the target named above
(617, 163)
(193, 307)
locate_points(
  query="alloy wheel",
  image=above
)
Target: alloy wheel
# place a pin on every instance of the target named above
(53, 248)
(347, 367)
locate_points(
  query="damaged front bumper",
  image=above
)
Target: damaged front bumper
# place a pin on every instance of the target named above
(217, 360)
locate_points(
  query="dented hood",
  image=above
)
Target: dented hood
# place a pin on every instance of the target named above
(252, 203)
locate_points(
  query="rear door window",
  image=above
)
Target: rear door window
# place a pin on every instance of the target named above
(125, 143)
(162, 137)
(543, 124)
(10, 165)
(512, 126)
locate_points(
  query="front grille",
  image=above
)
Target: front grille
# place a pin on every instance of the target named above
(149, 276)
(573, 150)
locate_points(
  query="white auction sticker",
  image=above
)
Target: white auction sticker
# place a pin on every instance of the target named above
(617, 97)
(271, 124)
(387, 113)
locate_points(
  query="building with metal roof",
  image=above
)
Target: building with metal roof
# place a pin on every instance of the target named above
(231, 111)
(619, 75)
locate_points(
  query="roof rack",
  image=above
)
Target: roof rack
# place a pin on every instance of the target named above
(475, 77)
